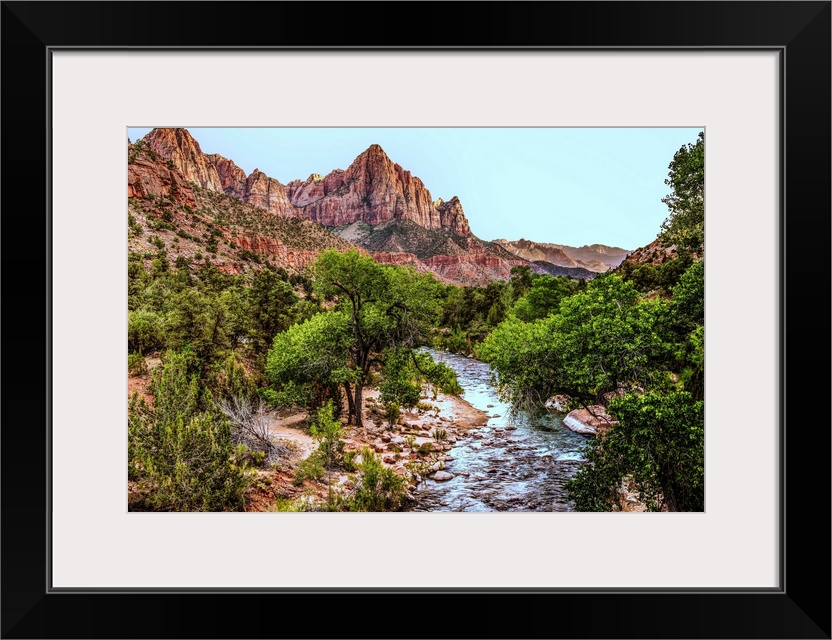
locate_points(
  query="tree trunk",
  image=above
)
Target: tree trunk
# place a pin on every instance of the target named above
(359, 393)
(350, 404)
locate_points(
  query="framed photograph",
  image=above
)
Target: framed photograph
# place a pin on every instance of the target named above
(754, 77)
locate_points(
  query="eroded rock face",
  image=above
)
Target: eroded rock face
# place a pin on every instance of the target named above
(274, 248)
(452, 217)
(269, 194)
(147, 177)
(315, 187)
(374, 190)
(179, 146)
(232, 177)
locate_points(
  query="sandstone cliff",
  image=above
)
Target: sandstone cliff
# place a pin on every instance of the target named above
(148, 177)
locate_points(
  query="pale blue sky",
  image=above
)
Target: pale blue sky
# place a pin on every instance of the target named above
(570, 186)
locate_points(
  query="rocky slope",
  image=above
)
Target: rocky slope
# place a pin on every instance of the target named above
(201, 225)
(653, 254)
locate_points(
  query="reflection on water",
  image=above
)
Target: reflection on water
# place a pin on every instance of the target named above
(517, 462)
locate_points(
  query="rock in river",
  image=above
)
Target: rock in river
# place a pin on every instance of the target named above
(441, 476)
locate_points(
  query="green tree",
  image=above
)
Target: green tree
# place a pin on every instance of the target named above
(386, 307)
(685, 224)
(271, 303)
(198, 320)
(659, 444)
(599, 338)
(309, 362)
(543, 297)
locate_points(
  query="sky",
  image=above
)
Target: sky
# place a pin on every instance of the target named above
(571, 186)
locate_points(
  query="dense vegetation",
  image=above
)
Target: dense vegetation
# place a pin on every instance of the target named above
(632, 340)
(233, 337)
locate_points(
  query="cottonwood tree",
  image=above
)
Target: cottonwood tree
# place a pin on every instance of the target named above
(376, 308)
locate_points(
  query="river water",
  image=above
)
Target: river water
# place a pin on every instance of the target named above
(497, 468)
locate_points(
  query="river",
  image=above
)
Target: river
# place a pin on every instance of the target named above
(497, 468)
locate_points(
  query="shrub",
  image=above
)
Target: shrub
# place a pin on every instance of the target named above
(182, 457)
(378, 489)
(136, 365)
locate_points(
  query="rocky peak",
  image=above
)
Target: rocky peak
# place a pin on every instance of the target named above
(375, 190)
(269, 194)
(180, 147)
(315, 187)
(232, 177)
(452, 217)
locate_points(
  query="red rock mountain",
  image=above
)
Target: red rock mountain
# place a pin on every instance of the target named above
(375, 204)
(373, 189)
(197, 223)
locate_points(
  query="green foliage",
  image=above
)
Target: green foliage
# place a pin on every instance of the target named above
(378, 488)
(308, 362)
(392, 412)
(180, 452)
(136, 365)
(385, 308)
(312, 468)
(198, 320)
(144, 332)
(271, 301)
(659, 443)
(543, 297)
(685, 224)
(400, 383)
(327, 430)
(599, 338)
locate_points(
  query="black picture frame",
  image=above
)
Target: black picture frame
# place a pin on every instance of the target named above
(800, 608)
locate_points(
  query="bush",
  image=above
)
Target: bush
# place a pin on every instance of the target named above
(181, 456)
(144, 332)
(136, 365)
(378, 489)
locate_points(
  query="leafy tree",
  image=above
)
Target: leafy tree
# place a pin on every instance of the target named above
(198, 320)
(385, 307)
(309, 362)
(144, 332)
(521, 280)
(599, 338)
(400, 383)
(659, 444)
(543, 296)
(685, 225)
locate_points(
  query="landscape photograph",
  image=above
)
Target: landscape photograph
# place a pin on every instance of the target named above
(415, 319)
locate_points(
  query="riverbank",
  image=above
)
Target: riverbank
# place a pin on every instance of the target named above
(415, 448)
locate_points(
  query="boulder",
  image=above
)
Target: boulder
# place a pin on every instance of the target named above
(592, 420)
(442, 476)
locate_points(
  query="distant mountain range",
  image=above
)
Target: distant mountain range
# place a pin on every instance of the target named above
(594, 257)
(374, 204)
